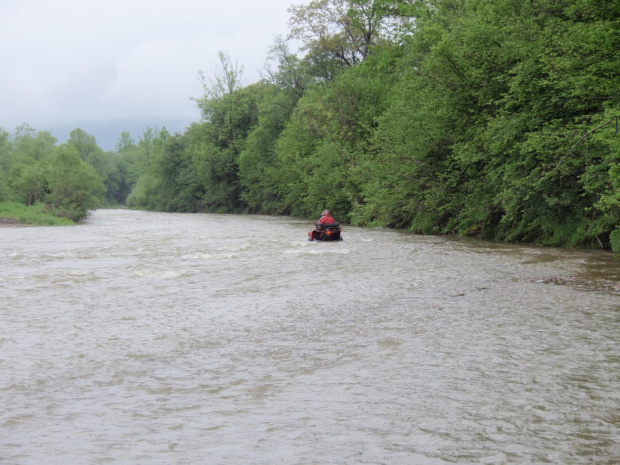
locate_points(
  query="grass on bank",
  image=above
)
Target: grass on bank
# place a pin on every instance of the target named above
(33, 214)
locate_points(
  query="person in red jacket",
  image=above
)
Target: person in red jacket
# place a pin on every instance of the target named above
(326, 218)
(327, 229)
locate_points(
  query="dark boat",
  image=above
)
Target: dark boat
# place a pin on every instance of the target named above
(326, 232)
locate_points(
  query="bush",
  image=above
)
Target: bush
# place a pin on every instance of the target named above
(614, 238)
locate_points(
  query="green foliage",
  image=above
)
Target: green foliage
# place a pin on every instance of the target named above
(34, 214)
(144, 194)
(5, 164)
(31, 145)
(614, 238)
(22, 177)
(217, 143)
(29, 183)
(34, 171)
(162, 164)
(132, 161)
(73, 186)
(258, 171)
(321, 152)
(342, 31)
(486, 130)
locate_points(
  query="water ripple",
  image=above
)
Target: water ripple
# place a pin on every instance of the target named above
(138, 338)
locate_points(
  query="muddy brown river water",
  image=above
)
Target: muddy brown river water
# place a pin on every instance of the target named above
(153, 338)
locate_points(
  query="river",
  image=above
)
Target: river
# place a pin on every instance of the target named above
(153, 338)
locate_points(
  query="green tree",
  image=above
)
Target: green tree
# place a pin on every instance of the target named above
(130, 165)
(25, 181)
(88, 150)
(125, 143)
(5, 164)
(107, 164)
(73, 186)
(142, 170)
(284, 70)
(257, 162)
(321, 151)
(229, 113)
(32, 145)
(176, 187)
(345, 30)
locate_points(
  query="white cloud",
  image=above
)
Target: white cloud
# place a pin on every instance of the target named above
(77, 61)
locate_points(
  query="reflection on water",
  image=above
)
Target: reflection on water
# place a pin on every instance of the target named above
(175, 338)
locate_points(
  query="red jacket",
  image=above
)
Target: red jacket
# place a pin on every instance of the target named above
(326, 219)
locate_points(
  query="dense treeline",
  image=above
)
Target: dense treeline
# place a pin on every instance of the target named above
(66, 178)
(490, 117)
(73, 178)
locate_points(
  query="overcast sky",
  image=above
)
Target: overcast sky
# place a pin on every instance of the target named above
(111, 65)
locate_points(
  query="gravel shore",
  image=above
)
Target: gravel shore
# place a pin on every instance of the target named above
(10, 223)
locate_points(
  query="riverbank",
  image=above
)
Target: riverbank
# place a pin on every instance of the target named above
(14, 214)
(11, 223)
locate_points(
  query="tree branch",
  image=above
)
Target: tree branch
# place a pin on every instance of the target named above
(579, 141)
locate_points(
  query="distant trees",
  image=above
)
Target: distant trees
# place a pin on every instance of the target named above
(34, 169)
